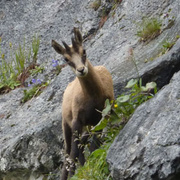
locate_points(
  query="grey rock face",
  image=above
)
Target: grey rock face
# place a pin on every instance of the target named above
(31, 145)
(148, 148)
(31, 134)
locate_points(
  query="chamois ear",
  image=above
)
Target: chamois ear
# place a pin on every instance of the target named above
(57, 47)
(78, 36)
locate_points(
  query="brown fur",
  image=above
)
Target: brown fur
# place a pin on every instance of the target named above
(81, 100)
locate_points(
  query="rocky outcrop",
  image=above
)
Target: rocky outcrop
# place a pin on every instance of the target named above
(148, 148)
(31, 145)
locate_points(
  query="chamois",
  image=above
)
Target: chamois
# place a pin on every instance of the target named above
(81, 100)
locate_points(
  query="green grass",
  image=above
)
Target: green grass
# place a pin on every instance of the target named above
(14, 69)
(167, 45)
(95, 168)
(149, 28)
(35, 91)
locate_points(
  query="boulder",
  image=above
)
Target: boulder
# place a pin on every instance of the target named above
(148, 147)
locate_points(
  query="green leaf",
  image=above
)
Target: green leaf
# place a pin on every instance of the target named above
(131, 83)
(101, 125)
(123, 98)
(143, 88)
(107, 108)
(103, 122)
(1, 85)
(97, 153)
(114, 118)
(149, 86)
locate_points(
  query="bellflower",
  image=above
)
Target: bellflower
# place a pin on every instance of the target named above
(55, 63)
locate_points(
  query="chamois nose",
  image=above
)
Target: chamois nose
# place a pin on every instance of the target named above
(81, 70)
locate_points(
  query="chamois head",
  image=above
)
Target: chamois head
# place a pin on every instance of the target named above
(74, 55)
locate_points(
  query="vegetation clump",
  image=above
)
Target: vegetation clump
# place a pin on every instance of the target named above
(114, 117)
(105, 9)
(36, 90)
(22, 64)
(167, 45)
(15, 70)
(149, 29)
(96, 4)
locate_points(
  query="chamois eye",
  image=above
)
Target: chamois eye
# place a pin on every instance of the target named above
(65, 59)
(71, 64)
(84, 52)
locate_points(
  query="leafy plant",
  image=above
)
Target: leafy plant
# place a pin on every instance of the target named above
(149, 29)
(124, 106)
(114, 116)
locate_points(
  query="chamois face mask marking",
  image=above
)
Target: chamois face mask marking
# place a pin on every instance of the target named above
(78, 63)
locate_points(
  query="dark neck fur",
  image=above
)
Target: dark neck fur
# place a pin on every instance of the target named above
(91, 84)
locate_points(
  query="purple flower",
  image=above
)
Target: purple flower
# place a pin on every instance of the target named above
(38, 81)
(33, 81)
(166, 15)
(55, 63)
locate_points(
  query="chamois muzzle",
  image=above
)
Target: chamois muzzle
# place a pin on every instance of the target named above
(81, 71)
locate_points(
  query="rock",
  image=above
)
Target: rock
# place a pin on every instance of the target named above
(31, 134)
(31, 144)
(118, 47)
(148, 147)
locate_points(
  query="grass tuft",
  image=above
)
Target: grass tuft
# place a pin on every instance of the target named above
(149, 29)
(15, 69)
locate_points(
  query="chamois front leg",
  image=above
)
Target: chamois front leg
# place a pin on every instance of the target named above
(76, 149)
(95, 144)
(67, 139)
(83, 142)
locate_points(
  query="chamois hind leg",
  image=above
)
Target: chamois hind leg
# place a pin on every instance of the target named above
(75, 145)
(67, 138)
